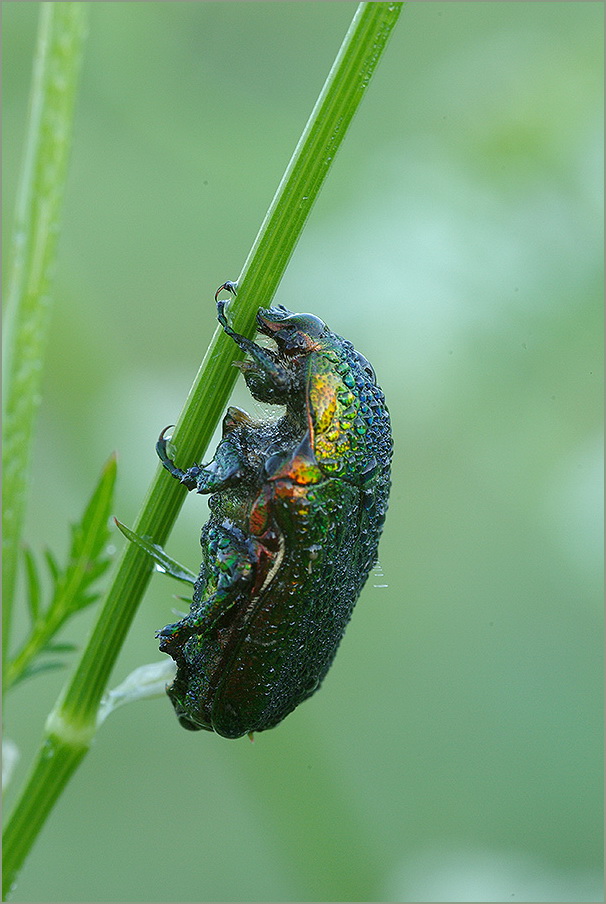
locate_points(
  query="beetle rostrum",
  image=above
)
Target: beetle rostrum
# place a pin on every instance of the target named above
(297, 505)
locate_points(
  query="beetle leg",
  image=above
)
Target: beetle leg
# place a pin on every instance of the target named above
(224, 470)
(264, 360)
(187, 478)
(234, 567)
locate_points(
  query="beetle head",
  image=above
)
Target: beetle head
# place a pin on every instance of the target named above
(294, 334)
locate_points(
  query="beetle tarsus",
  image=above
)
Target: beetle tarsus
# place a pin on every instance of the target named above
(185, 478)
(229, 286)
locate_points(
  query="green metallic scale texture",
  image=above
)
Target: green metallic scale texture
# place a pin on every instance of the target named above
(297, 509)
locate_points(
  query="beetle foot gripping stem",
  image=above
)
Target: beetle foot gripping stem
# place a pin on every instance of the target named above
(186, 478)
(229, 286)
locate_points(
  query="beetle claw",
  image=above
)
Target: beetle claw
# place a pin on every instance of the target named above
(229, 286)
(184, 477)
(163, 442)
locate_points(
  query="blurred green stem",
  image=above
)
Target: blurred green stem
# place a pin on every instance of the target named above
(36, 228)
(71, 725)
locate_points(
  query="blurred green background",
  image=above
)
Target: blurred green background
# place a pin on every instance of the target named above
(454, 752)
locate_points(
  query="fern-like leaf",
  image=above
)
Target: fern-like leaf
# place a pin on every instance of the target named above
(87, 556)
(33, 584)
(64, 647)
(53, 565)
(36, 668)
(72, 586)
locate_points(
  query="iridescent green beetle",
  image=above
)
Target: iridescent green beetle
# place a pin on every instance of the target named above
(297, 509)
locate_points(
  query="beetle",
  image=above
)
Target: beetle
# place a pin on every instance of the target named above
(297, 506)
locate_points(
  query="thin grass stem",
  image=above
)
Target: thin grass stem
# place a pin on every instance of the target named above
(72, 723)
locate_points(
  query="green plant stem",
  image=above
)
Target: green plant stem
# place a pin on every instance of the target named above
(72, 722)
(56, 763)
(36, 228)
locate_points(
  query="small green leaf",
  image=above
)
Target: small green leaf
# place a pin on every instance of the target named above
(33, 584)
(35, 668)
(72, 585)
(87, 599)
(163, 561)
(53, 565)
(87, 558)
(59, 648)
